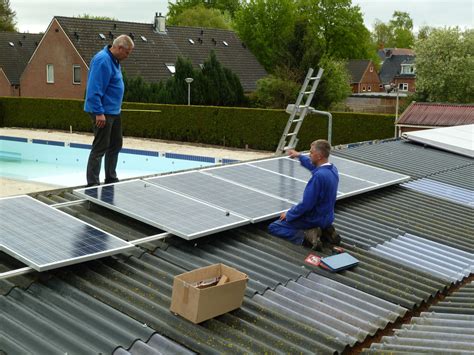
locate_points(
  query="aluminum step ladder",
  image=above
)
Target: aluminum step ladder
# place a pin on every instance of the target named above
(289, 139)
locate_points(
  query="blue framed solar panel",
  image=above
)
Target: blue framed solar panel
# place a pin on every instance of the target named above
(45, 238)
(181, 215)
(253, 205)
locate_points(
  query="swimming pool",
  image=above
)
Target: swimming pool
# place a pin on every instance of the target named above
(64, 164)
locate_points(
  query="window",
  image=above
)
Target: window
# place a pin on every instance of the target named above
(371, 69)
(171, 68)
(363, 88)
(190, 41)
(225, 43)
(143, 38)
(50, 73)
(403, 86)
(201, 66)
(407, 69)
(369, 88)
(101, 36)
(76, 74)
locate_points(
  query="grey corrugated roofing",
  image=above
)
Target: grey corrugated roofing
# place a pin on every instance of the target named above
(156, 345)
(13, 59)
(357, 68)
(415, 213)
(442, 190)
(149, 58)
(405, 157)
(139, 284)
(54, 318)
(461, 177)
(434, 258)
(437, 114)
(448, 327)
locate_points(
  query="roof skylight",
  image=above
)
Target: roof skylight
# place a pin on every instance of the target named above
(190, 41)
(225, 43)
(11, 44)
(171, 68)
(102, 36)
(143, 38)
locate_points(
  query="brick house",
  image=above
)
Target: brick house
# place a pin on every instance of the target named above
(15, 52)
(60, 64)
(398, 67)
(364, 77)
(424, 115)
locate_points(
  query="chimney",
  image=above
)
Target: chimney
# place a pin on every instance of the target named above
(160, 23)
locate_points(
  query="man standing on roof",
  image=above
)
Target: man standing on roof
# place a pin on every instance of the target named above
(312, 218)
(103, 102)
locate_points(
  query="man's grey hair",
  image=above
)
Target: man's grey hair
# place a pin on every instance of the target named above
(123, 41)
(322, 146)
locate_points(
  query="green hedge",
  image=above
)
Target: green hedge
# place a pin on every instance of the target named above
(224, 126)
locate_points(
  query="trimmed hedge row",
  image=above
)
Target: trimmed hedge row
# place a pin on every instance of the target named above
(224, 126)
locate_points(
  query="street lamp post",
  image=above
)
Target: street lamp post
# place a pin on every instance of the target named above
(392, 87)
(189, 81)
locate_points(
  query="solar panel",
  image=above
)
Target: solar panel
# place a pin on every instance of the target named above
(261, 180)
(254, 205)
(175, 213)
(45, 238)
(456, 139)
(354, 177)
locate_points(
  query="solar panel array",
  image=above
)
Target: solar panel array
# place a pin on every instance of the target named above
(194, 204)
(181, 215)
(45, 238)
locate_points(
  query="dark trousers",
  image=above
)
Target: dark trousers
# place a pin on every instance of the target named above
(107, 141)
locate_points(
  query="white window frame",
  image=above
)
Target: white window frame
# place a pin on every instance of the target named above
(74, 67)
(363, 88)
(50, 73)
(369, 88)
(403, 86)
(371, 69)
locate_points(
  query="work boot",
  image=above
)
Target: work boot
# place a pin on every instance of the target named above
(330, 236)
(313, 238)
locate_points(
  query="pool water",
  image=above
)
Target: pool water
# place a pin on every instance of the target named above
(63, 164)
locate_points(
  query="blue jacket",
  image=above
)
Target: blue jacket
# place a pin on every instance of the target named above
(319, 197)
(105, 86)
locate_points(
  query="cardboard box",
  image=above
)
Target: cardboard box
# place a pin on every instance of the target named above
(200, 304)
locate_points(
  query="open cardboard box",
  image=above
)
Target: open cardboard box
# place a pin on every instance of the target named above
(200, 304)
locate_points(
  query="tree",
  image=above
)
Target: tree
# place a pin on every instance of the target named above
(445, 66)
(224, 6)
(201, 16)
(7, 17)
(92, 17)
(266, 27)
(334, 85)
(398, 33)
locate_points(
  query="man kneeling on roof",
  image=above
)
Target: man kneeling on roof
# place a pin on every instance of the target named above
(311, 220)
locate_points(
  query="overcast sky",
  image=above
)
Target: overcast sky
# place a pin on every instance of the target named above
(35, 15)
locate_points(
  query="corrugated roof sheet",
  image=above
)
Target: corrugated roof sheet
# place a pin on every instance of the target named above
(442, 190)
(156, 345)
(52, 317)
(437, 114)
(434, 258)
(407, 158)
(415, 213)
(284, 296)
(448, 327)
